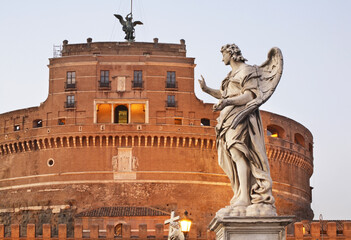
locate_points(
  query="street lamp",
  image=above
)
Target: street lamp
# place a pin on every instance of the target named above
(185, 224)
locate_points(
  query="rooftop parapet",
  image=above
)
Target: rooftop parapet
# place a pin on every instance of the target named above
(124, 48)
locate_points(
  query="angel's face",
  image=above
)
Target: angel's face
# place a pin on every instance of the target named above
(226, 57)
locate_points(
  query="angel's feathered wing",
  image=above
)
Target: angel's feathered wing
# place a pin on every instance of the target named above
(120, 18)
(270, 73)
(136, 23)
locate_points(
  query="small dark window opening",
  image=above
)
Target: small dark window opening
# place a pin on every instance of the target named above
(38, 123)
(205, 122)
(62, 121)
(310, 147)
(171, 80)
(138, 79)
(16, 128)
(121, 114)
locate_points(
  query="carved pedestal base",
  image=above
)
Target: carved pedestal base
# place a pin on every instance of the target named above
(253, 228)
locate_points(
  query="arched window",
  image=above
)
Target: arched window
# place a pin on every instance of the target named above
(299, 139)
(275, 131)
(121, 114)
(118, 230)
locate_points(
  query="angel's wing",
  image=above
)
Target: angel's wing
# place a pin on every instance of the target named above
(270, 73)
(120, 18)
(136, 23)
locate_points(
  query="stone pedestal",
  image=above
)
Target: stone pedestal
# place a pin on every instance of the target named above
(253, 228)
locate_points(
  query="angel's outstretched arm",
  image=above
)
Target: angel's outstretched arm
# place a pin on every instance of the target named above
(213, 92)
(237, 101)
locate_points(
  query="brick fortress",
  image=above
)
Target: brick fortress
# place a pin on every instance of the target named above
(122, 129)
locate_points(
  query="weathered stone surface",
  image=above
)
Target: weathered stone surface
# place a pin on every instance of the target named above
(250, 228)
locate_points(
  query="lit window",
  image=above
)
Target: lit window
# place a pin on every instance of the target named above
(272, 134)
(171, 101)
(71, 80)
(37, 123)
(275, 131)
(16, 128)
(103, 113)
(138, 79)
(104, 79)
(137, 113)
(70, 103)
(121, 114)
(171, 80)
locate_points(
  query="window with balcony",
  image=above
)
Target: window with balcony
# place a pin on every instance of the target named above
(70, 103)
(171, 101)
(70, 81)
(138, 79)
(104, 79)
(171, 80)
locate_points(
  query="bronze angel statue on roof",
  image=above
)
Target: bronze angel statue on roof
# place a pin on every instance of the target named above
(240, 136)
(128, 26)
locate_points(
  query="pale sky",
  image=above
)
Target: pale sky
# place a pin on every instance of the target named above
(314, 36)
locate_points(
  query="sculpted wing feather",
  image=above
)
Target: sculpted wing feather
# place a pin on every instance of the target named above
(136, 23)
(120, 18)
(270, 73)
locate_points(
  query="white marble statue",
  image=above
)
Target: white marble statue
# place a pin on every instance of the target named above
(174, 232)
(240, 136)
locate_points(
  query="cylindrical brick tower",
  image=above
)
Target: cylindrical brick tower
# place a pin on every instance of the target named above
(122, 127)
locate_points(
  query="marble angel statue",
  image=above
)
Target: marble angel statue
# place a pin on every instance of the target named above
(240, 136)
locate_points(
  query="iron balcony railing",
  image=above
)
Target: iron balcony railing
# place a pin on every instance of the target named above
(104, 84)
(172, 104)
(173, 85)
(70, 104)
(70, 86)
(137, 84)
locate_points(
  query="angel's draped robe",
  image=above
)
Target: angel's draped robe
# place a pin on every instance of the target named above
(247, 137)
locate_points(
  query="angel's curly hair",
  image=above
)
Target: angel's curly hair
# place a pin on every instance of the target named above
(234, 52)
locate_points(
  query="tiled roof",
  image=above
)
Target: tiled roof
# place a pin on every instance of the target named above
(123, 212)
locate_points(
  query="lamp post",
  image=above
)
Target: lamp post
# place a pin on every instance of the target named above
(185, 224)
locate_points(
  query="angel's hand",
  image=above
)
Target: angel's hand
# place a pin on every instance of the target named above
(220, 105)
(202, 83)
